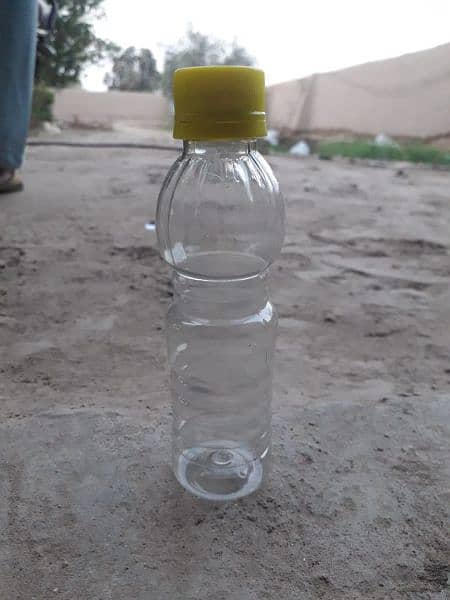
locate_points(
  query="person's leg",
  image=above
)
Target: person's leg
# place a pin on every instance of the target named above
(18, 21)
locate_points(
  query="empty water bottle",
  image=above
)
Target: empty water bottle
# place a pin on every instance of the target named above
(220, 225)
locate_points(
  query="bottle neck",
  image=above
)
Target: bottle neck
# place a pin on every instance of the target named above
(221, 147)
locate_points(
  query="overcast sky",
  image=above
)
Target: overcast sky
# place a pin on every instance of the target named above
(289, 39)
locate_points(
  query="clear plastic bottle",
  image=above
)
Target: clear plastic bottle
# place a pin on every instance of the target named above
(220, 225)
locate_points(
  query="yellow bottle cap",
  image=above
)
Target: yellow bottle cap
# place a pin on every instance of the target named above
(219, 103)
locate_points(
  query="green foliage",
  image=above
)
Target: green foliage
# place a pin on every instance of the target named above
(238, 55)
(41, 109)
(73, 43)
(196, 50)
(134, 70)
(362, 149)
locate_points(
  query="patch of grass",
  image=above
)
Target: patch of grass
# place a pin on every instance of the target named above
(361, 149)
(42, 106)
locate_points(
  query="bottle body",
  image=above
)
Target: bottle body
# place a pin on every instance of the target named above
(213, 225)
(221, 339)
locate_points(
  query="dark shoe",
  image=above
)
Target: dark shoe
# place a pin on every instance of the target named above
(9, 182)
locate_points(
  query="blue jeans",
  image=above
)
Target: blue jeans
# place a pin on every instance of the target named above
(18, 22)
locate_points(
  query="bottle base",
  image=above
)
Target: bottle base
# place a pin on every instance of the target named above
(218, 474)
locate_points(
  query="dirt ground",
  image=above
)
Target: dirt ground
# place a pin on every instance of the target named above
(358, 500)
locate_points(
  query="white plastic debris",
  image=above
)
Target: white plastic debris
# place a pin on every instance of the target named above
(273, 137)
(301, 148)
(384, 140)
(51, 128)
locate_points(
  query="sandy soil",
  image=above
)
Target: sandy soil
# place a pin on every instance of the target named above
(357, 505)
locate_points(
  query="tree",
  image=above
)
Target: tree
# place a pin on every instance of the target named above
(73, 44)
(134, 70)
(196, 50)
(238, 56)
